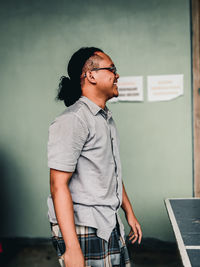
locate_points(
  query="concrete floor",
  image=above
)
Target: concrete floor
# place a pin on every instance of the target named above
(40, 253)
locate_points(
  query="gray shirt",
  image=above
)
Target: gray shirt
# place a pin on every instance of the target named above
(84, 140)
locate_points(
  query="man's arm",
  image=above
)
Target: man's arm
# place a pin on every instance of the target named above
(73, 256)
(136, 232)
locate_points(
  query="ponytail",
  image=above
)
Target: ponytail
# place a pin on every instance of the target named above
(69, 91)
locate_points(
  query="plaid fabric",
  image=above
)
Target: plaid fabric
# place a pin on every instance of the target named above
(97, 252)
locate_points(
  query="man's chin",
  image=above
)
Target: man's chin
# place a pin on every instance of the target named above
(116, 93)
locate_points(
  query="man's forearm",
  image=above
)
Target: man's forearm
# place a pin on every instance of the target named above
(64, 207)
(126, 205)
(136, 232)
(65, 215)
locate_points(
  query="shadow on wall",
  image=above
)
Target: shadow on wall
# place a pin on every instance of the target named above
(9, 192)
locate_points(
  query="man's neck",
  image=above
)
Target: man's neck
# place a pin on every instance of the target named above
(98, 101)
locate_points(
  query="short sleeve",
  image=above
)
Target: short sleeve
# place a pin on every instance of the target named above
(67, 136)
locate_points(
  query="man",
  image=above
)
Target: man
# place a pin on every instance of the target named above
(85, 171)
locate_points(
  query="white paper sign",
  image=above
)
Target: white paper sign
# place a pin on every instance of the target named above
(130, 89)
(164, 87)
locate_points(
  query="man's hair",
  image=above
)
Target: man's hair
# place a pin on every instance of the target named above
(82, 60)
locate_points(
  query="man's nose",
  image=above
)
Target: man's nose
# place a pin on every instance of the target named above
(117, 76)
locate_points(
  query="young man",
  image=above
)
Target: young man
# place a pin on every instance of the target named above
(85, 171)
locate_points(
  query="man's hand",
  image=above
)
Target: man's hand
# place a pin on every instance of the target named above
(73, 257)
(135, 232)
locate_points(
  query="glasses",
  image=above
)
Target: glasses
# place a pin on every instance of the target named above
(112, 69)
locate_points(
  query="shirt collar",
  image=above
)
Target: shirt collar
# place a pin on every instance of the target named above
(94, 108)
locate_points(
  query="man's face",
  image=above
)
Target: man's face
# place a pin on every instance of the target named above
(106, 80)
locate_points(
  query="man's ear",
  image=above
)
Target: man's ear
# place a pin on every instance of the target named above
(90, 77)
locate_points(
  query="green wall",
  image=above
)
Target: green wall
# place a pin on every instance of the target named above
(149, 37)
